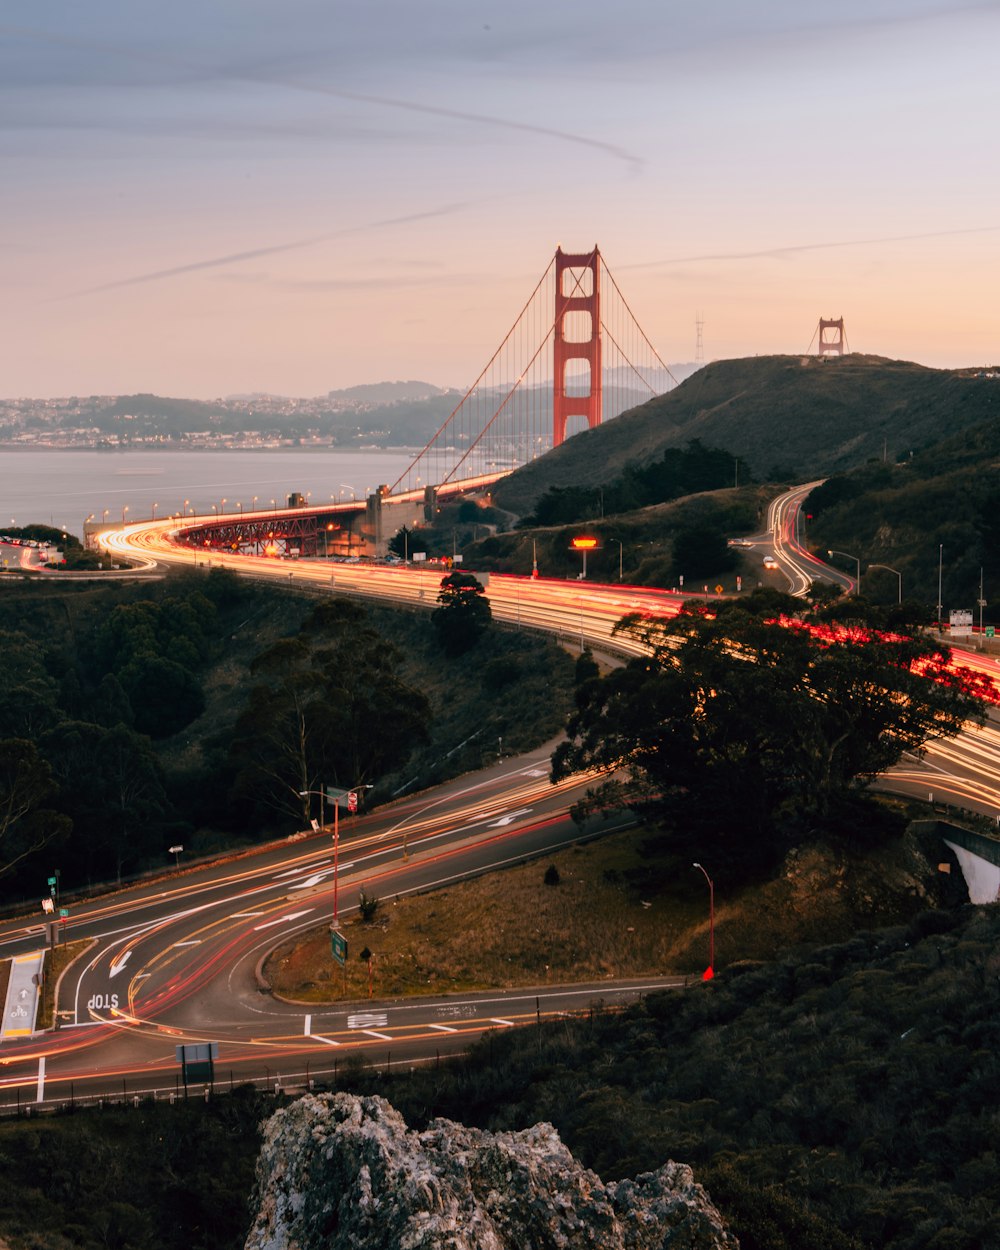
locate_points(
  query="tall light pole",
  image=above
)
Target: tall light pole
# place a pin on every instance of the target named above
(155, 506)
(709, 972)
(940, 569)
(124, 510)
(847, 556)
(621, 555)
(336, 838)
(889, 570)
(982, 604)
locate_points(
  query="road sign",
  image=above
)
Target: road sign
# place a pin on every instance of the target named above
(338, 946)
(989, 631)
(48, 905)
(342, 798)
(718, 589)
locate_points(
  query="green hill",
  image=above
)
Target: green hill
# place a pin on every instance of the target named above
(785, 417)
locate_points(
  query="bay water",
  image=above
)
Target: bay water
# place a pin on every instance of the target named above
(62, 488)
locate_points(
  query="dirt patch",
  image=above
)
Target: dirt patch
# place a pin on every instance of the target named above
(608, 915)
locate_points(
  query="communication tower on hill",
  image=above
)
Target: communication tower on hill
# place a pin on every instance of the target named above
(699, 344)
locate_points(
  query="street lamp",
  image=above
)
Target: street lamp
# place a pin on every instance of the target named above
(124, 510)
(155, 506)
(709, 972)
(940, 568)
(847, 556)
(344, 486)
(621, 555)
(889, 570)
(186, 502)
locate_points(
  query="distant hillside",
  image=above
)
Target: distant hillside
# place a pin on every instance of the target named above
(387, 392)
(783, 416)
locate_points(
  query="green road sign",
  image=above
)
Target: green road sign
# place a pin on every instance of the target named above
(990, 631)
(338, 946)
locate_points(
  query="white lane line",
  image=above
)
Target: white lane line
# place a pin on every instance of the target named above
(247, 915)
(307, 1027)
(194, 942)
(327, 1041)
(40, 1093)
(444, 1028)
(500, 1020)
(371, 1033)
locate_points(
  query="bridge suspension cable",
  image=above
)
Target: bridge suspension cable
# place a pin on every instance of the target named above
(508, 416)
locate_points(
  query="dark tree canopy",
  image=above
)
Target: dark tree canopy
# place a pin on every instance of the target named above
(464, 615)
(327, 709)
(750, 727)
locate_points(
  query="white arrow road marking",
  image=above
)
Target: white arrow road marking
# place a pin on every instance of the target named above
(119, 964)
(510, 817)
(292, 915)
(293, 872)
(534, 772)
(315, 879)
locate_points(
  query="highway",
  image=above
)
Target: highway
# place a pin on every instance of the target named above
(176, 961)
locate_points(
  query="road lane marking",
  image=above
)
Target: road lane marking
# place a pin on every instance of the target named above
(292, 915)
(294, 872)
(500, 1020)
(327, 1041)
(444, 1028)
(386, 1037)
(247, 915)
(368, 1020)
(194, 942)
(510, 817)
(119, 964)
(40, 1095)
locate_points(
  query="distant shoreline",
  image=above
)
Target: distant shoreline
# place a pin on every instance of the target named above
(188, 448)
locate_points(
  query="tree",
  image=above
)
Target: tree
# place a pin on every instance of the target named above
(751, 727)
(464, 614)
(25, 784)
(327, 708)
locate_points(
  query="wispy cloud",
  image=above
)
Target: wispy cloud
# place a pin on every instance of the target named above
(774, 252)
(236, 258)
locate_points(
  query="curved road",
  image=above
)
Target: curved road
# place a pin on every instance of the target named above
(174, 962)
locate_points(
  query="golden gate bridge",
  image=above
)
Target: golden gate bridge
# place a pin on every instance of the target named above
(574, 357)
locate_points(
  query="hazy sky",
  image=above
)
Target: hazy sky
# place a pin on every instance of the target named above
(210, 196)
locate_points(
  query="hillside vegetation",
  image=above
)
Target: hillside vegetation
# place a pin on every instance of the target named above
(784, 417)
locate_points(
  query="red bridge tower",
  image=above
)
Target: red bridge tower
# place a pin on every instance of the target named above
(578, 302)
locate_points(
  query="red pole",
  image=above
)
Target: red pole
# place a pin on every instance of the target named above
(336, 849)
(709, 972)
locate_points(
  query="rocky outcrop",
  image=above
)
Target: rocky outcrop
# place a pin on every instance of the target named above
(338, 1172)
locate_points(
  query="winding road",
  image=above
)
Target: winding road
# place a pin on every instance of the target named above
(175, 961)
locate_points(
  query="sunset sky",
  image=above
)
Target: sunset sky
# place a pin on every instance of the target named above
(201, 198)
